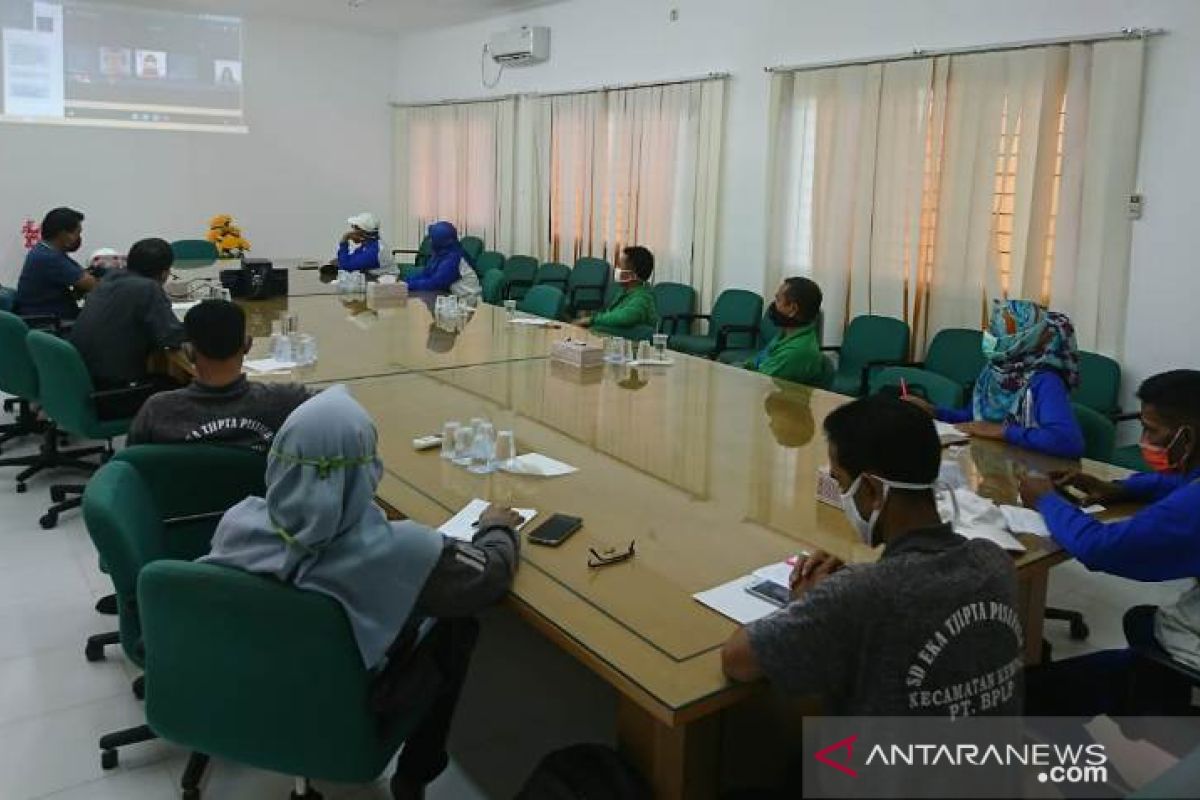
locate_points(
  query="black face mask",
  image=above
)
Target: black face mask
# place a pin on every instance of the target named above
(780, 320)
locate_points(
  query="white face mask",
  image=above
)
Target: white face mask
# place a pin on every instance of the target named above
(865, 528)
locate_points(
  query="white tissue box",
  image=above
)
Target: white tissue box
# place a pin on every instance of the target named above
(828, 491)
(577, 354)
(384, 294)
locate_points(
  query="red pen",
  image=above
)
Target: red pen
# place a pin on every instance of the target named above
(903, 388)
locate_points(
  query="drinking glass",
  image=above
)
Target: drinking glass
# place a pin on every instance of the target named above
(612, 349)
(449, 435)
(660, 346)
(510, 308)
(626, 351)
(291, 322)
(506, 449)
(643, 351)
(464, 438)
(281, 347)
(304, 348)
(484, 450)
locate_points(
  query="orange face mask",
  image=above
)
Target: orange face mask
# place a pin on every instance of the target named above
(1157, 456)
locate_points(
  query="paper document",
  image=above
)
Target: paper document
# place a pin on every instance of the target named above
(978, 518)
(650, 362)
(537, 322)
(263, 366)
(732, 600)
(538, 464)
(948, 433)
(1024, 520)
(181, 309)
(462, 525)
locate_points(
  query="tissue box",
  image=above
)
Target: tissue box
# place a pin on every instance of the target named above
(828, 491)
(385, 294)
(577, 354)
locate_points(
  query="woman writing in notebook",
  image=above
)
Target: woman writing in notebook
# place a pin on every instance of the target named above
(1023, 394)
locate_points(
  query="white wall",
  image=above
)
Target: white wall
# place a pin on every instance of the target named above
(596, 42)
(319, 150)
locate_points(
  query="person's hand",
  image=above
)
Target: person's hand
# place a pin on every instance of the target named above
(811, 570)
(982, 430)
(495, 516)
(1033, 488)
(1094, 490)
(921, 403)
(348, 236)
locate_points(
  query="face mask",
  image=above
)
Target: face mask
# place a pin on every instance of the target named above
(1157, 456)
(781, 320)
(865, 528)
(625, 276)
(989, 344)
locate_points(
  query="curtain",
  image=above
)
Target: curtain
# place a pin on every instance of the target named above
(455, 162)
(924, 188)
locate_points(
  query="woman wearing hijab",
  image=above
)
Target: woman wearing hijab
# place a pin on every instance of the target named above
(1023, 394)
(449, 269)
(362, 249)
(319, 529)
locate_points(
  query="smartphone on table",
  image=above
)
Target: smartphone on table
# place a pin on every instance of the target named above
(770, 591)
(555, 530)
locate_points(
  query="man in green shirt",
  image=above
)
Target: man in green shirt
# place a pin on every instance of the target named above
(633, 315)
(795, 352)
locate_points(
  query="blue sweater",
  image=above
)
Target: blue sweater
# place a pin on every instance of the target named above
(438, 276)
(366, 257)
(1159, 543)
(1046, 420)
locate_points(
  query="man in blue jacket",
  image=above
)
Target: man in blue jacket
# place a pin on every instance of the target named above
(1161, 542)
(449, 269)
(362, 249)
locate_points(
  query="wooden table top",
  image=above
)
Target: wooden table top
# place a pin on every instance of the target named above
(710, 469)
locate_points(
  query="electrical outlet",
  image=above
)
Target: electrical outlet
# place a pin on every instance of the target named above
(674, 15)
(1136, 202)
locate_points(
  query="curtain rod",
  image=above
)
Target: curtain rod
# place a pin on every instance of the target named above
(919, 52)
(711, 76)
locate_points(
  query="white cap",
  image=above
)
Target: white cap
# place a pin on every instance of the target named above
(365, 221)
(103, 252)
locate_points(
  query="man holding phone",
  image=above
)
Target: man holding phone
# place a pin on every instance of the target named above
(1159, 543)
(916, 633)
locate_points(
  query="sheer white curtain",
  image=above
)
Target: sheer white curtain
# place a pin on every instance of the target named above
(455, 162)
(923, 188)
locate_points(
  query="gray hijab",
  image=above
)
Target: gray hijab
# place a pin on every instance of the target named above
(319, 527)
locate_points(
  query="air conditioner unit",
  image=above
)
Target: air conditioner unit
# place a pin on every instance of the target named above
(522, 46)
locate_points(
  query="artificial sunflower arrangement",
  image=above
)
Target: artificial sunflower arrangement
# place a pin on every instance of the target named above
(227, 236)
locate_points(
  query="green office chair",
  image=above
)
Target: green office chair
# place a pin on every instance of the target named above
(553, 274)
(733, 324)
(544, 301)
(420, 257)
(8, 298)
(67, 396)
(740, 355)
(1099, 432)
(1099, 383)
(672, 301)
(196, 252)
(870, 341)
(18, 378)
(493, 286)
(957, 354)
(589, 279)
(520, 272)
(937, 389)
(247, 668)
(472, 246)
(489, 261)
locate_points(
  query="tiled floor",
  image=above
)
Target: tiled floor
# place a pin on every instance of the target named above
(524, 698)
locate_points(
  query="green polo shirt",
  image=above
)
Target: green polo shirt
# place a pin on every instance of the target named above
(796, 357)
(633, 307)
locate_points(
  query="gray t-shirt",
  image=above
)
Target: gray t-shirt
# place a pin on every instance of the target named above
(242, 414)
(930, 629)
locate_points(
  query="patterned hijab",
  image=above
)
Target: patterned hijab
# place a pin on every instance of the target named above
(1027, 339)
(319, 528)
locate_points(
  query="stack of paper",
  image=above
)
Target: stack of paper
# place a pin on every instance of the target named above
(535, 322)
(651, 362)
(462, 525)
(978, 518)
(949, 434)
(263, 366)
(733, 601)
(1024, 520)
(537, 464)
(577, 353)
(181, 309)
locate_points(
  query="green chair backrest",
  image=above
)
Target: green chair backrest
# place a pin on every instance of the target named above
(554, 274)
(424, 251)
(190, 510)
(589, 278)
(766, 330)
(737, 307)
(472, 246)
(956, 353)
(1099, 433)
(493, 286)
(671, 299)
(250, 669)
(64, 386)
(1099, 383)
(18, 375)
(194, 250)
(937, 389)
(521, 268)
(125, 526)
(544, 301)
(611, 293)
(8, 298)
(488, 261)
(871, 338)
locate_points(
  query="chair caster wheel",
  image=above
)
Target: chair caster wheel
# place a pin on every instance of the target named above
(1079, 631)
(57, 495)
(93, 652)
(139, 687)
(48, 521)
(22, 488)
(108, 759)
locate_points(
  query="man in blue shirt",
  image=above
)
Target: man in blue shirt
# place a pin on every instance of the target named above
(51, 278)
(1161, 542)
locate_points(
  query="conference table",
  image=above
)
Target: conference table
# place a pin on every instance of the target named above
(708, 469)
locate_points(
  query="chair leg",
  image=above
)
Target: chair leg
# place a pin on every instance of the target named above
(193, 773)
(50, 456)
(305, 791)
(94, 649)
(1078, 627)
(139, 687)
(111, 741)
(50, 518)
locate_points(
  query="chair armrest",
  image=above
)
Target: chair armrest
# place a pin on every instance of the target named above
(43, 322)
(132, 391)
(724, 332)
(831, 348)
(396, 250)
(865, 384)
(508, 285)
(1128, 416)
(123, 403)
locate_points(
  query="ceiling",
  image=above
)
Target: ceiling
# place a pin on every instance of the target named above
(383, 16)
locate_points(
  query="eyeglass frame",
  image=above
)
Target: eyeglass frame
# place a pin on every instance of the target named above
(610, 556)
